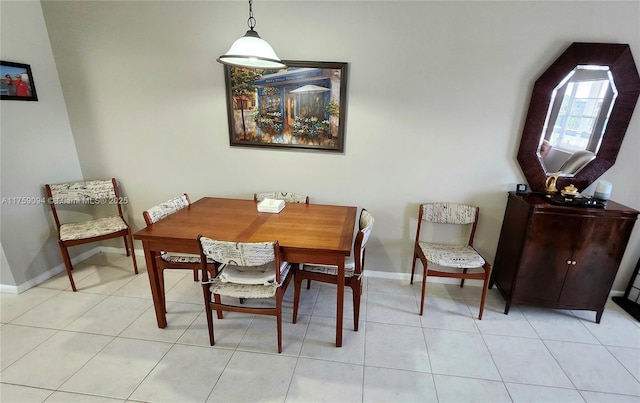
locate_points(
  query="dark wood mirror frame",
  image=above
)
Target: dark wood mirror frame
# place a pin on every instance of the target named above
(625, 75)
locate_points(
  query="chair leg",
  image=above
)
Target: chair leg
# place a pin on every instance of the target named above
(424, 286)
(133, 252)
(297, 285)
(464, 271)
(126, 244)
(209, 313)
(487, 272)
(308, 284)
(161, 281)
(216, 298)
(195, 275)
(279, 294)
(413, 266)
(357, 293)
(67, 264)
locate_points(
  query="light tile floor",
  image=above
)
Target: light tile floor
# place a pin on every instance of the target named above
(101, 344)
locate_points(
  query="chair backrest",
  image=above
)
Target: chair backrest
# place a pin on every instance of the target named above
(362, 237)
(94, 192)
(239, 253)
(287, 197)
(157, 213)
(449, 213)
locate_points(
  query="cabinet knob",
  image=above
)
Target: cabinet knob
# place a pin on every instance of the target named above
(568, 261)
(573, 262)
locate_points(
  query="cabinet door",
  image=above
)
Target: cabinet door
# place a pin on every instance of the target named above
(550, 243)
(598, 253)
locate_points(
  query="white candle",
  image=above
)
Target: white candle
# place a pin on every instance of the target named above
(603, 190)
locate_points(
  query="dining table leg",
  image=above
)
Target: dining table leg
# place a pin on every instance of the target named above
(154, 283)
(340, 302)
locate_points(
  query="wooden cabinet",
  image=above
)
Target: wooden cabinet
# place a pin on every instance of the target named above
(560, 256)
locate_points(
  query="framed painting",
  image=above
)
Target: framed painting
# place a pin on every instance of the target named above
(16, 82)
(302, 107)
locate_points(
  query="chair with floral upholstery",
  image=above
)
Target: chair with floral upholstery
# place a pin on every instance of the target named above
(287, 197)
(96, 194)
(450, 254)
(172, 260)
(353, 269)
(246, 270)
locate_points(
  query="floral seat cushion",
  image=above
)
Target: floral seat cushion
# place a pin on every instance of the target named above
(90, 229)
(264, 274)
(174, 257)
(349, 268)
(254, 284)
(459, 256)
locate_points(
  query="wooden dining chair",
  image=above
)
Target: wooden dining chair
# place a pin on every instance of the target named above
(89, 195)
(246, 270)
(167, 259)
(287, 197)
(459, 256)
(353, 269)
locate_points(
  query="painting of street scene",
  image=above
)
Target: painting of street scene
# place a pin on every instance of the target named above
(303, 106)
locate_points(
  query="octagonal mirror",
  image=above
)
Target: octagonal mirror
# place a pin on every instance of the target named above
(579, 112)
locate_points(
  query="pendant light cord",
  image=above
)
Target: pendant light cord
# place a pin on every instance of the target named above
(251, 22)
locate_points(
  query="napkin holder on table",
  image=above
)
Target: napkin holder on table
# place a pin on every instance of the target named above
(270, 206)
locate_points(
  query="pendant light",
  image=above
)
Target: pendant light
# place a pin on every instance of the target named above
(251, 51)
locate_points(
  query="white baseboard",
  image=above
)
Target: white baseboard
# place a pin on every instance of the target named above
(9, 289)
(120, 251)
(442, 280)
(13, 289)
(418, 278)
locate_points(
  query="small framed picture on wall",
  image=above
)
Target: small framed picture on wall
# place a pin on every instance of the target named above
(16, 82)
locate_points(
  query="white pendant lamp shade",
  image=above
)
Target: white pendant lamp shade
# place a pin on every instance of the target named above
(251, 51)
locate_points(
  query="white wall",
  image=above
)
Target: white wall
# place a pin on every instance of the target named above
(7, 276)
(37, 147)
(438, 93)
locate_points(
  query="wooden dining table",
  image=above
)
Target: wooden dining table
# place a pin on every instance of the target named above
(307, 233)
